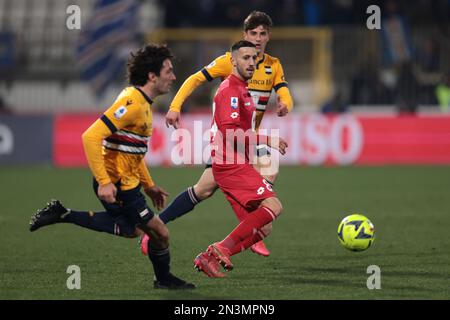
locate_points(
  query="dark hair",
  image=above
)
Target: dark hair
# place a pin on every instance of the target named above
(147, 59)
(256, 19)
(242, 44)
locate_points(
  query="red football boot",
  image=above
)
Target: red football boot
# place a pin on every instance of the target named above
(260, 248)
(221, 255)
(144, 244)
(208, 265)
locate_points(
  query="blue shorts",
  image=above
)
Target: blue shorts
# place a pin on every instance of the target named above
(129, 210)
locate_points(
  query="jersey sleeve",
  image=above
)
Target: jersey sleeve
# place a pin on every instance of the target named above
(118, 116)
(281, 87)
(146, 179)
(189, 85)
(220, 67)
(121, 114)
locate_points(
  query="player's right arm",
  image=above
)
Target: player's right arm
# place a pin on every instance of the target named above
(220, 67)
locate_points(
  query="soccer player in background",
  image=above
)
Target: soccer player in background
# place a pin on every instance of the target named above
(268, 75)
(249, 194)
(115, 146)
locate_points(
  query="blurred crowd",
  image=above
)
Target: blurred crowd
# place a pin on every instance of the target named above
(411, 70)
(405, 63)
(230, 13)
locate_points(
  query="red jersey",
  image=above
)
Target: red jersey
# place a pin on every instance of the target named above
(234, 113)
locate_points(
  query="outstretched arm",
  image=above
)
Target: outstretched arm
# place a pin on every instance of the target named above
(191, 83)
(284, 101)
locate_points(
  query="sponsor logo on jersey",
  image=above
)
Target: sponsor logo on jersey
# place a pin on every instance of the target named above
(248, 103)
(268, 69)
(212, 64)
(260, 191)
(234, 102)
(234, 115)
(256, 82)
(120, 112)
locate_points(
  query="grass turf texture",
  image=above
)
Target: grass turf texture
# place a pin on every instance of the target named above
(408, 205)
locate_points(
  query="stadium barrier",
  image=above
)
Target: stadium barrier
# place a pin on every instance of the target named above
(26, 139)
(313, 139)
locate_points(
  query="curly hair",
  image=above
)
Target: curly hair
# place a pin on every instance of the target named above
(256, 19)
(147, 59)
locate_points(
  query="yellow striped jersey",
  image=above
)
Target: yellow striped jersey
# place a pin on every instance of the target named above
(116, 144)
(268, 75)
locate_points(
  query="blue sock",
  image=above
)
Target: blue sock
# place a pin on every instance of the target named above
(182, 204)
(98, 221)
(160, 259)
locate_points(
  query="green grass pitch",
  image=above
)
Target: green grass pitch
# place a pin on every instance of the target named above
(410, 207)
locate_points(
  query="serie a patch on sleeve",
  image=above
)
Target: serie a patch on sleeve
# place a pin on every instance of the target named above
(234, 102)
(120, 112)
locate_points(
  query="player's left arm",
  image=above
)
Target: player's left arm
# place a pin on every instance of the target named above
(284, 100)
(157, 194)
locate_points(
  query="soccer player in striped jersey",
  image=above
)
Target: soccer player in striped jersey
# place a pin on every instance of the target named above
(115, 146)
(268, 76)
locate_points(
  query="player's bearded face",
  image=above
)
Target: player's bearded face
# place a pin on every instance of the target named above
(166, 77)
(245, 62)
(259, 37)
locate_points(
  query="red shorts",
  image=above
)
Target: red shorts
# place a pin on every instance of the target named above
(244, 185)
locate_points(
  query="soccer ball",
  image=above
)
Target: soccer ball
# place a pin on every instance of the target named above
(356, 232)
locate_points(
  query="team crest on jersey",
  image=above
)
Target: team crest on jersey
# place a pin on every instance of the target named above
(120, 112)
(234, 102)
(234, 115)
(268, 69)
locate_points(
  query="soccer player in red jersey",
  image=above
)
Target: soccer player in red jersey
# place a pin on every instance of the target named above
(233, 139)
(268, 76)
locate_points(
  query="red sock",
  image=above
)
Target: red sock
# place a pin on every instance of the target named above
(247, 243)
(248, 227)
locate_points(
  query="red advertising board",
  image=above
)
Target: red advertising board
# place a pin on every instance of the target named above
(313, 139)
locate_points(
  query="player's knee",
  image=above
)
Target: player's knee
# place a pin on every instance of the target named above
(162, 235)
(204, 191)
(164, 239)
(267, 229)
(158, 232)
(273, 204)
